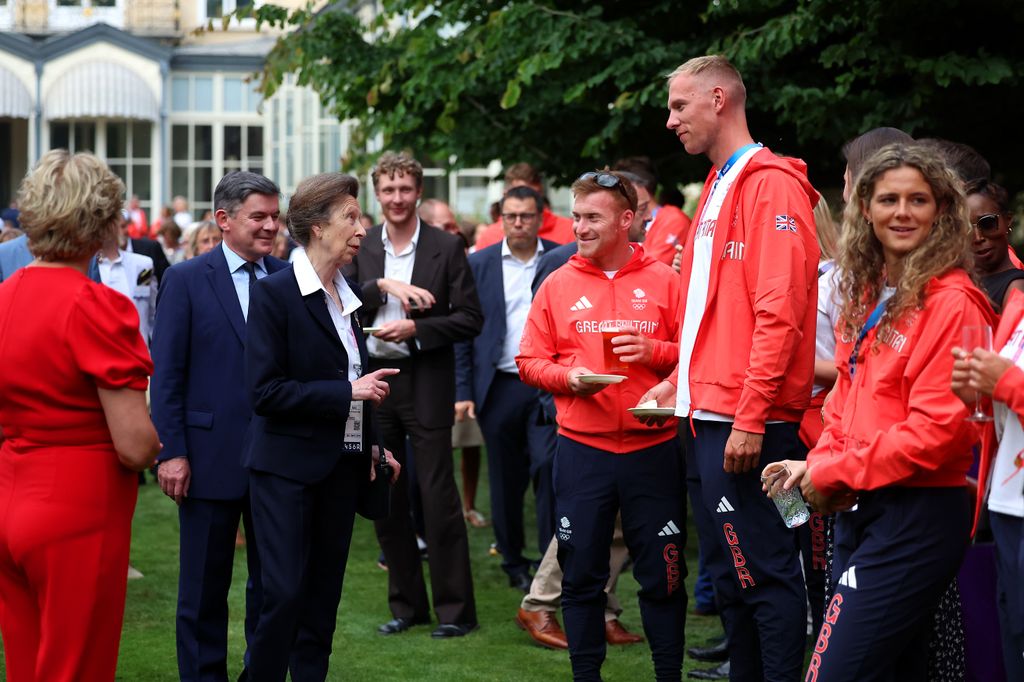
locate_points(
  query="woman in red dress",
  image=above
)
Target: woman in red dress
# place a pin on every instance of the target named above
(74, 429)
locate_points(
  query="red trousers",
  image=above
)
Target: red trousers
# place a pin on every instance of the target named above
(65, 528)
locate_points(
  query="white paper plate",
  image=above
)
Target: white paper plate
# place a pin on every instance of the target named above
(653, 411)
(601, 378)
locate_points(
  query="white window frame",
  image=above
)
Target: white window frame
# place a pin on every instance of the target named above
(229, 6)
(7, 15)
(69, 18)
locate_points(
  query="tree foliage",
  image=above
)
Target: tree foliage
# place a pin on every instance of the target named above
(570, 86)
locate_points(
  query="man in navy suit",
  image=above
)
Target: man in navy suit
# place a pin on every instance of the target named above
(520, 439)
(14, 255)
(202, 410)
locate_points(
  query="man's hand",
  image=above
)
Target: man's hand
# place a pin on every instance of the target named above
(396, 468)
(397, 331)
(373, 386)
(411, 297)
(633, 348)
(464, 409)
(664, 394)
(174, 477)
(580, 388)
(986, 369)
(742, 451)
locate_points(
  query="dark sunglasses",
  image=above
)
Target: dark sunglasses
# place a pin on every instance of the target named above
(606, 180)
(987, 224)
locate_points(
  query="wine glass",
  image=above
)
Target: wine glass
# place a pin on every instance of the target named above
(977, 336)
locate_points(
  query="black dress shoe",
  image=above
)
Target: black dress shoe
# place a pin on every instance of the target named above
(445, 630)
(520, 581)
(719, 673)
(714, 653)
(396, 625)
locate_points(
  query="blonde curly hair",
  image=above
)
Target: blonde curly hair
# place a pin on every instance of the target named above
(70, 204)
(861, 260)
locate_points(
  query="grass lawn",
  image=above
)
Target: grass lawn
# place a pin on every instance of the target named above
(497, 651)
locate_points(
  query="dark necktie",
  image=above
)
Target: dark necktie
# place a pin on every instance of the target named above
(251, 269)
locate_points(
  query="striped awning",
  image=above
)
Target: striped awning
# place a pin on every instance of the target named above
(15, 102)
(101, 90)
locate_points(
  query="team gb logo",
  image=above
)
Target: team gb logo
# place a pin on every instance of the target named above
(640, 299)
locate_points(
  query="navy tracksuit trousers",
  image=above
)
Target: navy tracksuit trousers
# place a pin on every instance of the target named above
(591, 487)
(895, 556)
(758, 581)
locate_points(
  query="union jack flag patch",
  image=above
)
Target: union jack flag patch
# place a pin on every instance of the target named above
(783, 223)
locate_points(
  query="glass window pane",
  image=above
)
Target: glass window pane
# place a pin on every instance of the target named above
(232, 143)
(85, 137)
(204, 184)
(204, 94)
(179, 93)
(256, 169)
(179, 182)
(69, 3)
(435, 187)
(233, 95)
(117, 140)
(142, 140)
(255, 98)
(203, 146)
(104, 3)
(121, 171)
(214, 8)
(179, 144)
(255, 141)
(140, 181)
(60, 134)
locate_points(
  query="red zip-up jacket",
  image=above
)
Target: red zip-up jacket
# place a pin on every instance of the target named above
(562, 332)
(1009, 391)
(754, 352)
(896, 422)
(669, 228)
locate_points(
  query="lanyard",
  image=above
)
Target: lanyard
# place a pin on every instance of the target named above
(870, 324)
(736, 155)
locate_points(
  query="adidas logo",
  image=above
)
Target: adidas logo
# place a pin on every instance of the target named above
(849, 578)
(724, 506)
(669, 529)
(582, 304)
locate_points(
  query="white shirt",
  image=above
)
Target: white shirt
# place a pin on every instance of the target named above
(240, 278)
(309, 283)
(1006, 490)
(397, 266)
(516, 278)
(700, 279)
(123, 274)
(828, 318)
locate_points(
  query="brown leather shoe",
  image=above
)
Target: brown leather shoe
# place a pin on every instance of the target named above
(543, 627)
(614, 633)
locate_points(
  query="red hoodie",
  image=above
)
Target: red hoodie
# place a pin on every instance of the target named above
(896, 422)
(669, 228)
(754, 352)
(562, 332)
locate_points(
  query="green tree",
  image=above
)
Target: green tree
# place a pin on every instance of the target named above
(569, 86)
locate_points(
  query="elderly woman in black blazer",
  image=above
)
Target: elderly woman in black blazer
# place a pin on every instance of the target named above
(311, 439)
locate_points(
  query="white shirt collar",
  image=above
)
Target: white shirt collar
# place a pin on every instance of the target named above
(100, 258)
(506, 251)
(387, 240)
(235, 261)
(309, 282)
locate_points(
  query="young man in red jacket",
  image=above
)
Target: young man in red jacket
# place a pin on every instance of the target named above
(746, 360)
(606, 461)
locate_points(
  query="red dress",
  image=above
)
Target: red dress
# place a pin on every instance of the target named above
(66, 503)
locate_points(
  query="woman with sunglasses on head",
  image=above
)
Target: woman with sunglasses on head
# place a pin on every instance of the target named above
(991, 219)
(896, 447)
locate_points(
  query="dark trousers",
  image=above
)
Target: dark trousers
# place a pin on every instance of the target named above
(591, 488)
(520, 449)
(756, 569)
(704, 587)
(1008, 532)
(207, 541)
(895, 556)
(810, 539)
(450, 579)
(307, 529)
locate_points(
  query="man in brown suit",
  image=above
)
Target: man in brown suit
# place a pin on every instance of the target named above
(419, 291)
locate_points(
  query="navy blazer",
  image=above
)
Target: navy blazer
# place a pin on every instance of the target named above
(297, 371)
(440, 268)
(476, 361)
(200, 402)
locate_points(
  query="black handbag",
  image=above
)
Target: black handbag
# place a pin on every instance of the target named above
(374, 499)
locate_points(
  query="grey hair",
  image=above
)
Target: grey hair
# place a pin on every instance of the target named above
(235, 187)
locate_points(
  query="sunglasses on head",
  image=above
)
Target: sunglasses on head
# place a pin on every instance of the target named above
(606, 180)
(987, 224)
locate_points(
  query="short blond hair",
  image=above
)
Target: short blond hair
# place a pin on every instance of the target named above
(716, 65)
(70, 204)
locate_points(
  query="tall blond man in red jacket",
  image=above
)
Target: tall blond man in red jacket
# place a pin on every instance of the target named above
(606, 461)
(746, 360)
